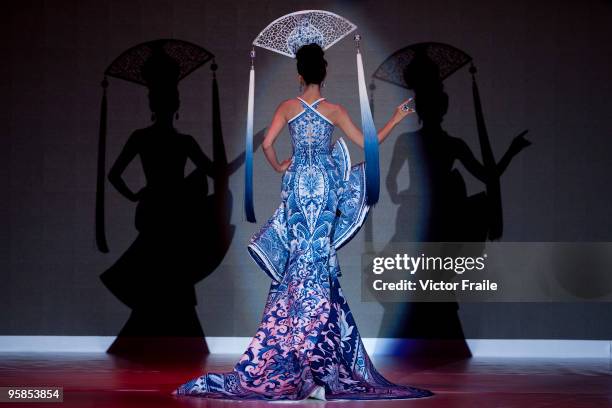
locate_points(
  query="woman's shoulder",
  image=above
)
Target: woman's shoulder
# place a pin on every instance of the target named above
(333, 111)
(152, 130)
(289, 103)
(142, 131)
(288, 106)
(295, 102)
(335, 107)
(138, 135)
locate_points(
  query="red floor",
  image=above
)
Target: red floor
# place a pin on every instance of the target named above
(97, 380)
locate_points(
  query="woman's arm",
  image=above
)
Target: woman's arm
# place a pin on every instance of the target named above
(278, 123)
(478, 170)
(130, 150)
(398, 159)
(464, 154)
(344, 122)
(517, 145)
(197, 156)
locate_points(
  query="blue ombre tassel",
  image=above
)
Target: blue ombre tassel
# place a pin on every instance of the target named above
(248, 165)
(370, 136)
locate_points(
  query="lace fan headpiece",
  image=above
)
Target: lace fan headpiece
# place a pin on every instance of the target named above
(286, 35)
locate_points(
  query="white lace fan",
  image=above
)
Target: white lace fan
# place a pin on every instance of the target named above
(288, 33)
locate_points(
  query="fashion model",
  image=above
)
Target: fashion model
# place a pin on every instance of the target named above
(307, 344)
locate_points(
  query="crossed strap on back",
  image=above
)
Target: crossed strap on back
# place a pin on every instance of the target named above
(313, 107)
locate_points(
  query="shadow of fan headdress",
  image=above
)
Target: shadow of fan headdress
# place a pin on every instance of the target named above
(173, 61)
(436, 207)
(432, 63)
(446, 58)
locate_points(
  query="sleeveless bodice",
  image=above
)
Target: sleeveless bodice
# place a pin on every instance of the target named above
(311, 133)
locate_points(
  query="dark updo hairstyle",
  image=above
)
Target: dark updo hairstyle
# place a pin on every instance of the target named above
(161, 74)
(422, 76)
(310, 64)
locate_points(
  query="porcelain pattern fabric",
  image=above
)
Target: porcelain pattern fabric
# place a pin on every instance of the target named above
(307, 342)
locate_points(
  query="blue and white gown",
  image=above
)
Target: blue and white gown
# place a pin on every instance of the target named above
(307, 343)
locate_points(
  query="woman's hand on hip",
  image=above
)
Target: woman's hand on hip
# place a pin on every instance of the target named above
(284, 166)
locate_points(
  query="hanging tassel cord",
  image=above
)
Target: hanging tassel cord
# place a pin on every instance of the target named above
(370, 134)
(369, 223)
(222, 195)
(496, 224)
(219, 157)
(483, 135)
(372, 89)
(101, 174)
(248, 168)
(219, 154)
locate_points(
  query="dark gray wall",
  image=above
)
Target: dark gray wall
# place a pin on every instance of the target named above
(543, 66)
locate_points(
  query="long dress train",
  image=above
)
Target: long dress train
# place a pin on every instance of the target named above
(307, 343)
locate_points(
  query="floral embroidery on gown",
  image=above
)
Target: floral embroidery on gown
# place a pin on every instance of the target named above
(307, 342)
